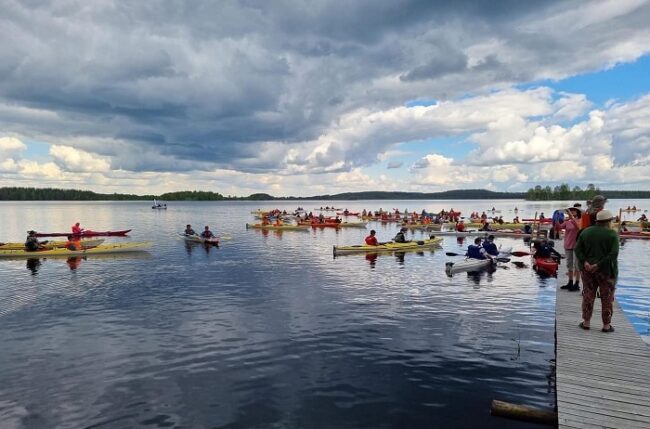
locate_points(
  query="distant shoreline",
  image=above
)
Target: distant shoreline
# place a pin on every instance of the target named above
(50, 194)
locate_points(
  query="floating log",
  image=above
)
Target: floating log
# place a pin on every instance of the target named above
(523, 412)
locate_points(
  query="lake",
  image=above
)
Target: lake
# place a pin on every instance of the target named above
(270, 330)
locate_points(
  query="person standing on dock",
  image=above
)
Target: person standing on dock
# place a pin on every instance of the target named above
(571, 227)
(593, 207)
(597, 254)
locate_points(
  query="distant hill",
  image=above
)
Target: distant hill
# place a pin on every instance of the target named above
(459, 194)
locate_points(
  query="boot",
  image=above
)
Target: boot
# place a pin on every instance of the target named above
(568, 285)
(575, 287)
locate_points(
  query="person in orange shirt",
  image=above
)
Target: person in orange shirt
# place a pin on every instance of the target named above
(460, 226)
(77, 229)
(371, 240)
(73, 243)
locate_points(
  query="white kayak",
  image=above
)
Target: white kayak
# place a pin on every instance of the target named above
(199, 239)
(468, 265)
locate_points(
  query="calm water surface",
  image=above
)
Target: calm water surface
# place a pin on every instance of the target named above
(270, 330)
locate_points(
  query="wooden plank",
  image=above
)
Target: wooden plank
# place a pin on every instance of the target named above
(602, 379)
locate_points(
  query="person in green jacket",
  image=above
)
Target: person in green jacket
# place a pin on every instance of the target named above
(597, 255)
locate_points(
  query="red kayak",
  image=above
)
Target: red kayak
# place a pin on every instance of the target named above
(545, 220)
(86, 233)
(546, 265)
(348, 213)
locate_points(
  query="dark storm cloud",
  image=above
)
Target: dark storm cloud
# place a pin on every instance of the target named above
(209, 83)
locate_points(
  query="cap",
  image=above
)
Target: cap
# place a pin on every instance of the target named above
(604, 216)
(598, 198)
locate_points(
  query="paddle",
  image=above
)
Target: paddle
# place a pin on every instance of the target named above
(462, 254)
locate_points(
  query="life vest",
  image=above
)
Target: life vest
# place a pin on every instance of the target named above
(371, 240)
(491, 248)
(473, 251)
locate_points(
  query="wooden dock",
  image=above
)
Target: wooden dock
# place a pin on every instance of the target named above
(602, 379)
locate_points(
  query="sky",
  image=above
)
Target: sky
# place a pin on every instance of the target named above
(319, 97)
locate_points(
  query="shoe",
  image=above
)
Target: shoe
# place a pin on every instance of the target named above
(577, 284)
(568, 285)
(574, 288)
(582, 325)
(610, 329)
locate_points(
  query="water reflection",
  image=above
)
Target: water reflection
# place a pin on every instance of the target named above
(74, 262)
(33, 264)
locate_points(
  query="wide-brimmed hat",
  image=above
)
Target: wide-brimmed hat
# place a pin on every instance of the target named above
(576, 209)
(604, 216)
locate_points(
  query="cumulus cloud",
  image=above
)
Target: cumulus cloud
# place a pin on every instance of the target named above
(394, 164)
(10, 146)
(76, 160)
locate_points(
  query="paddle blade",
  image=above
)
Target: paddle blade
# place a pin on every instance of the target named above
(452, 254)
(519, 253)
(503, 259)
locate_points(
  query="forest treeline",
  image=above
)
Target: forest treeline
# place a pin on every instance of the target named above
(538, 193)
(564, 192)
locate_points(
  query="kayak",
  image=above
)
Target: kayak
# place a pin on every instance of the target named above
(199, 239)
(323, 225)
(278, 228)
(353, 224)
(642, 234)
(51, 244)
(86, 233)
(468, 265)
(387, 247)
(62, 251)
(348, 213)
(546, 265)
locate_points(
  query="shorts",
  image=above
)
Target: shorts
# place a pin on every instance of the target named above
(571, 262)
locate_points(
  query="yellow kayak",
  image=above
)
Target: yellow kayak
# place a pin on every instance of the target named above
(62, 251)
(51, 244)
(388, 247)
(279, 228)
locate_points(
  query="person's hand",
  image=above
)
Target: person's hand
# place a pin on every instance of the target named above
(590, 268)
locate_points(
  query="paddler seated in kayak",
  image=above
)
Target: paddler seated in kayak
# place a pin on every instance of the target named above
(207, 233)
(643, 218)
(486, 227)
(400, 237)
(490, 247)
(528, 229)
(460, 226)
(77, 229)
(73, 243)
(371, 240)
(544, 249)
(476, 251)
(31, 243)
(516, 219)
(189, 230)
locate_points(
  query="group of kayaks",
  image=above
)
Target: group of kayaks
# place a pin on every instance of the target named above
(88, 245)
(12, 251)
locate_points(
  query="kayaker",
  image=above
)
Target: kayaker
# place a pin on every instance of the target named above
(486, 227)
(73, 243)
(528, 229)
(597, 254)
(544, 249)
(490, 247)
(643, 218)
(400, 237)
(207, 233)
(571, 228)
(77, 229)
(189, 230)
(476, 251)
(371, 240)
(31, 243)
(516, 219)
(460, 226)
